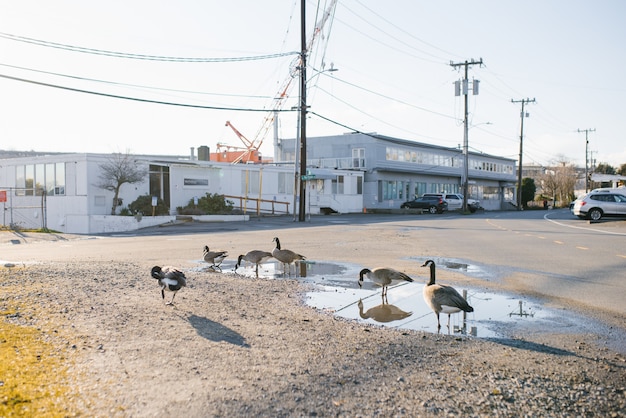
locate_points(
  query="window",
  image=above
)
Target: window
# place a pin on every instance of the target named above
(420, 189)
(35, 179)
(30, 180)
(337, 185)
(285, 183)
(491, 193)
(40, 179)
(358, 158)
(160, 182)
(250, 182)
(359, 185)
(390, 190)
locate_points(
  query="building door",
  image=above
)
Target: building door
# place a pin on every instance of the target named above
(160, 183)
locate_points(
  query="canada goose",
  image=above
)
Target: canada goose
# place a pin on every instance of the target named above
(170, 279)
(443, 298)
(383, 276)
(285, 256)
(383, 313)
(215, 258)
(256, 257)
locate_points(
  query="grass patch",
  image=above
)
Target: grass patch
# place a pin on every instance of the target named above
(33, 369)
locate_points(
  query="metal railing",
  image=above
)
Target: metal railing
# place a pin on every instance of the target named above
(257, 203)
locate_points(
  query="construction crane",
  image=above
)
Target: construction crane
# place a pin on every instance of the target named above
(283, 93)
(232, 154)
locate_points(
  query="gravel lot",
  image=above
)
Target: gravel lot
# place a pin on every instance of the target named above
(235, 346)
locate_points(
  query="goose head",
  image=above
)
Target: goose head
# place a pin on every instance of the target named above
(277, 242)
(431, 264)
(361, 274)
(206, 249)
(238, 261)
(156, 272)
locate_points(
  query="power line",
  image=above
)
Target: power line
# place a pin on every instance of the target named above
(116, 54)
(136, 99)
(116, 83)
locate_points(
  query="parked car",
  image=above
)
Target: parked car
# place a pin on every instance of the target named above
(455, 201)
(600, 203)
(433, 204)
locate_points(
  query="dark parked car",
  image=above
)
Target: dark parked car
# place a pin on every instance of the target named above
(433, 204)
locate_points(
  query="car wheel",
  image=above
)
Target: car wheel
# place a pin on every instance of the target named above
(595, 214)
(472, 209)
(432, 209)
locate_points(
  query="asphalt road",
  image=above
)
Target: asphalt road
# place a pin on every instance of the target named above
(549, 254)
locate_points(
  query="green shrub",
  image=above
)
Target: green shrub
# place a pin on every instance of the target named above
(209, 204)
(143, 205)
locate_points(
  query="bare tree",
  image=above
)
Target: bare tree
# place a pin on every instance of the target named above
(118, 170)
(560, 180)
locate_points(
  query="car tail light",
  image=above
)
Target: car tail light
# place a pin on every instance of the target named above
(583, 203)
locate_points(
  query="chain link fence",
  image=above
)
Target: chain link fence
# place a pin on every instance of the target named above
(23, 208)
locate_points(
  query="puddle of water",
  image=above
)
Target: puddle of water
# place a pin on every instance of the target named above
(406, 309)
(494, 316)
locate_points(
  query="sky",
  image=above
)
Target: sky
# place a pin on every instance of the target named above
(159, 77)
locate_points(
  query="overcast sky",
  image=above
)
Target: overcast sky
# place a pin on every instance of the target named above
(230, 59)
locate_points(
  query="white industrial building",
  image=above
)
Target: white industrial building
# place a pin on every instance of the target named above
(346, 174)
(60, 192)
(397, 170)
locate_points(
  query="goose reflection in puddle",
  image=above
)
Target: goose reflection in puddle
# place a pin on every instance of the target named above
(384, 312)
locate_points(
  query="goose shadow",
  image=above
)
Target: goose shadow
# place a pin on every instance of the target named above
(531, 346)
(215, 331)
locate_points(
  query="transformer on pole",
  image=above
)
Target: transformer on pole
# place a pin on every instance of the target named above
(465, 89)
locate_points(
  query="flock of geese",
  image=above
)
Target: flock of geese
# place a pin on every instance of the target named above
(439, 297)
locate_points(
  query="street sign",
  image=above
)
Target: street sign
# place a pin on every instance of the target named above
(308, 177)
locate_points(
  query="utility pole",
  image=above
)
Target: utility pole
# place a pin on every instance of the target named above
(586, 131)
(521, 148)
(303, 52)
(458, 91)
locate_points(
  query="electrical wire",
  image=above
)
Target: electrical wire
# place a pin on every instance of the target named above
(115, 54)
(136, 99)
(116, 83)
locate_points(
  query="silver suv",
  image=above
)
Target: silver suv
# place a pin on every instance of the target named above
(599, 203)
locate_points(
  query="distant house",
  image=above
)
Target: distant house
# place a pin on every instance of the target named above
(396, 170)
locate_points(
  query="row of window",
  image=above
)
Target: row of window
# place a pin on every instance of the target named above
(34, 179)
(402, 190)
(392, 190)
(250, 183)
(446, 160)
(422, 157)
